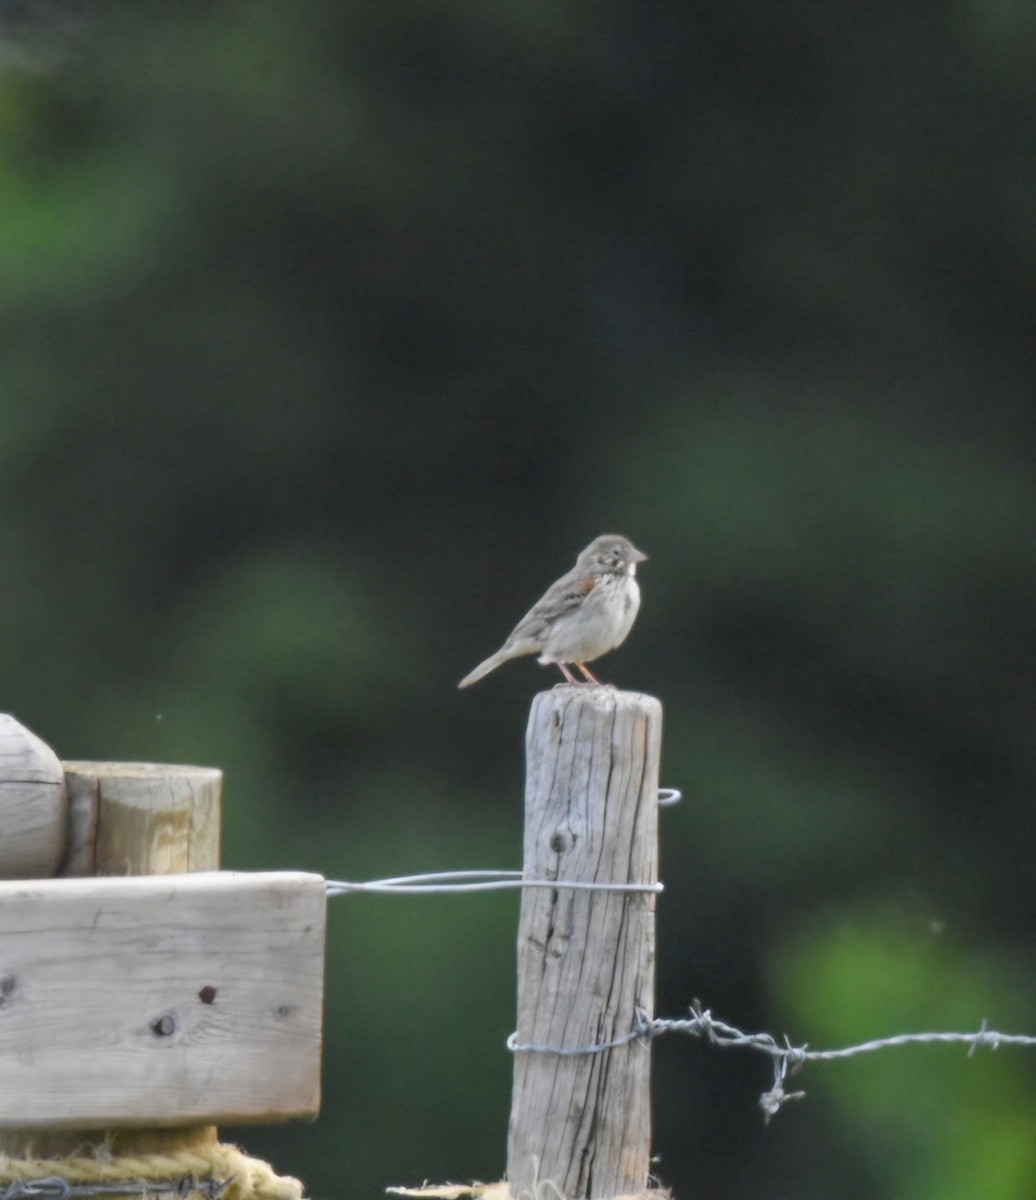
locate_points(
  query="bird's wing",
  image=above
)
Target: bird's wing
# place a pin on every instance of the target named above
(560, 598)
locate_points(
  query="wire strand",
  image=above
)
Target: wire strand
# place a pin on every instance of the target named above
(786, 1057)
(451, 882)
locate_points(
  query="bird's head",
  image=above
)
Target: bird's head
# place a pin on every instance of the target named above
(612, 552)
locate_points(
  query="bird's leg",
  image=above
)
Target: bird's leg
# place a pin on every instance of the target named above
(567, 673)
(590, 676)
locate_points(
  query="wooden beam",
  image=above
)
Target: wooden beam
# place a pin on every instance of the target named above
(581, 1124)
(160, 1000)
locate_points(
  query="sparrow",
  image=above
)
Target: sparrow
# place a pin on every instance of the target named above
(583, 615)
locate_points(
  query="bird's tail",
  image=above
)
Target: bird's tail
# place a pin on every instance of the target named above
(483, 668)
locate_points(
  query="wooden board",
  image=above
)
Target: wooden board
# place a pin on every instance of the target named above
(160, 1000)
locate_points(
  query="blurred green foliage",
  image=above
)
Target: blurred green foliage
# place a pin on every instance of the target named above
(959, 1127)
(332, 331)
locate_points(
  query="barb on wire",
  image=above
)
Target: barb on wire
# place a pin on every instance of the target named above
(446, 882)
(786, 1058)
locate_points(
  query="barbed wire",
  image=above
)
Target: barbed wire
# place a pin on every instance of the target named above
(641, 1029)
(787, 1058)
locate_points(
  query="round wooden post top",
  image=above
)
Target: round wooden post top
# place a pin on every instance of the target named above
(103, 818)
(33, 804)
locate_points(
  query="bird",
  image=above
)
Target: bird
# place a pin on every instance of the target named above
(583, 615)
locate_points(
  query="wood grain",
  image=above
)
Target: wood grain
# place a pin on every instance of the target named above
(128, 818)
(160, 1000)
(581, 1124)
(150, 818)
(33, 804)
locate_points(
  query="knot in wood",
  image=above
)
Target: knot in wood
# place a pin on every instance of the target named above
(561, 841)
(164, 1026)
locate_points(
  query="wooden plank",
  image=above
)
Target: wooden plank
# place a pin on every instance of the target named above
(581, 1124)
(160, 1000)
(33, 804)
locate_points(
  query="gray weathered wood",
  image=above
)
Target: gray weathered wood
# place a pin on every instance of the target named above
(128, 819)
(582, 1123)
(160, 1000)
(33, 804)
(83, 806)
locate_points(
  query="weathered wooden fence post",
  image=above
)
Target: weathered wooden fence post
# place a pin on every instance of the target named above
(581, 1122)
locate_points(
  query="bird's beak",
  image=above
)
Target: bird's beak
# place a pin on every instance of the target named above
(638, 556)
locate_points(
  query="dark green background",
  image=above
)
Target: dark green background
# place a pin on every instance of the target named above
(330, 332)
